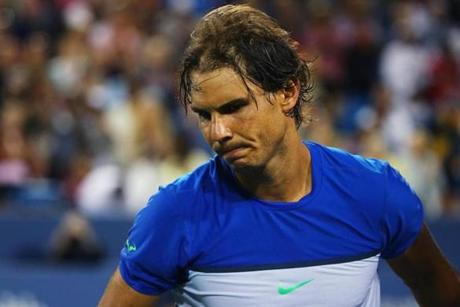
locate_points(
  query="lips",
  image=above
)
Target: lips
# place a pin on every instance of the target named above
(232, 153)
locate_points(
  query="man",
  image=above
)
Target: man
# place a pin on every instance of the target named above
(272, 220)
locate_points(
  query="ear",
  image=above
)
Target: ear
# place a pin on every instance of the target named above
(290, 95)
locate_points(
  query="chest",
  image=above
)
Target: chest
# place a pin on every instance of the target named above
(251, 235)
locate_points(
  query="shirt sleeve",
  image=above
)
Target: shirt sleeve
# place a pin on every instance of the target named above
(154, 253)
(403, 216)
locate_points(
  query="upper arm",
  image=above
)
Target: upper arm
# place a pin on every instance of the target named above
(155, 254)
(119, 293)
(427, 272)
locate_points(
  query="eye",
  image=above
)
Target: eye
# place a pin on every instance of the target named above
(232, 107)
(203, 116)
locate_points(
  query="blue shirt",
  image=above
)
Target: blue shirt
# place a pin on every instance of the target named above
(358, 209)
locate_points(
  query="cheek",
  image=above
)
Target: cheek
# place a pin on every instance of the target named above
(269, 123)
(272, 133)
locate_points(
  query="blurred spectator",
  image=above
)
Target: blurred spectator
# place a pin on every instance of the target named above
(68, 69)
(361, 60)
(139, 126)
(99, 192)
(404, 71)
(14, 169)
(74, 241)
(444, 77)
(422, 169)
(447, 132)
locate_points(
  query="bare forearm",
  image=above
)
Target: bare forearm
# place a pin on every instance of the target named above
(428, 274)
(437, 290)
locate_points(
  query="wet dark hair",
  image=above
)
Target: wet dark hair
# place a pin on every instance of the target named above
(254, 46)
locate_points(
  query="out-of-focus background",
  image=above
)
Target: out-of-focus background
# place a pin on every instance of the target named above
(90, 125)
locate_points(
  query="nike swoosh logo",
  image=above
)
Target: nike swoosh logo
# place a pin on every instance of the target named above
(287, 290)
(130, 247)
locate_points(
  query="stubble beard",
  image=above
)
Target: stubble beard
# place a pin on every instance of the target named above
(261, 169)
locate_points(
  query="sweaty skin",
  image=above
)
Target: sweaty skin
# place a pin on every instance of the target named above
(257, 138)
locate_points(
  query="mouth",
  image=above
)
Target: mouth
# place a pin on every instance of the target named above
(232, 154)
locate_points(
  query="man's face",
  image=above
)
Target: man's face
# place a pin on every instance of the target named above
(244, 132)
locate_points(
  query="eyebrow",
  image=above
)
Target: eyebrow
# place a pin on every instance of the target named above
(234, 102)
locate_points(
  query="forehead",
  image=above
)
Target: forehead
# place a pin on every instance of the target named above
(218, 86)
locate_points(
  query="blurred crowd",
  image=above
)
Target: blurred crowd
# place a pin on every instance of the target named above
(89, 117)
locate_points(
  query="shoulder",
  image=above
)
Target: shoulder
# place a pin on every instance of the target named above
(341, 159)
(353, 169)
(371, 183)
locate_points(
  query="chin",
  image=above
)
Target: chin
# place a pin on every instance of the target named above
(237, 164)
(242, 165)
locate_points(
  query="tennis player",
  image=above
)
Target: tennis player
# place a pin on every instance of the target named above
(272, 220)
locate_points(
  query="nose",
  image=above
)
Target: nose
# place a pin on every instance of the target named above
(220, 131)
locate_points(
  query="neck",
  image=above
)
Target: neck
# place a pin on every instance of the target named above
(286, 177)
